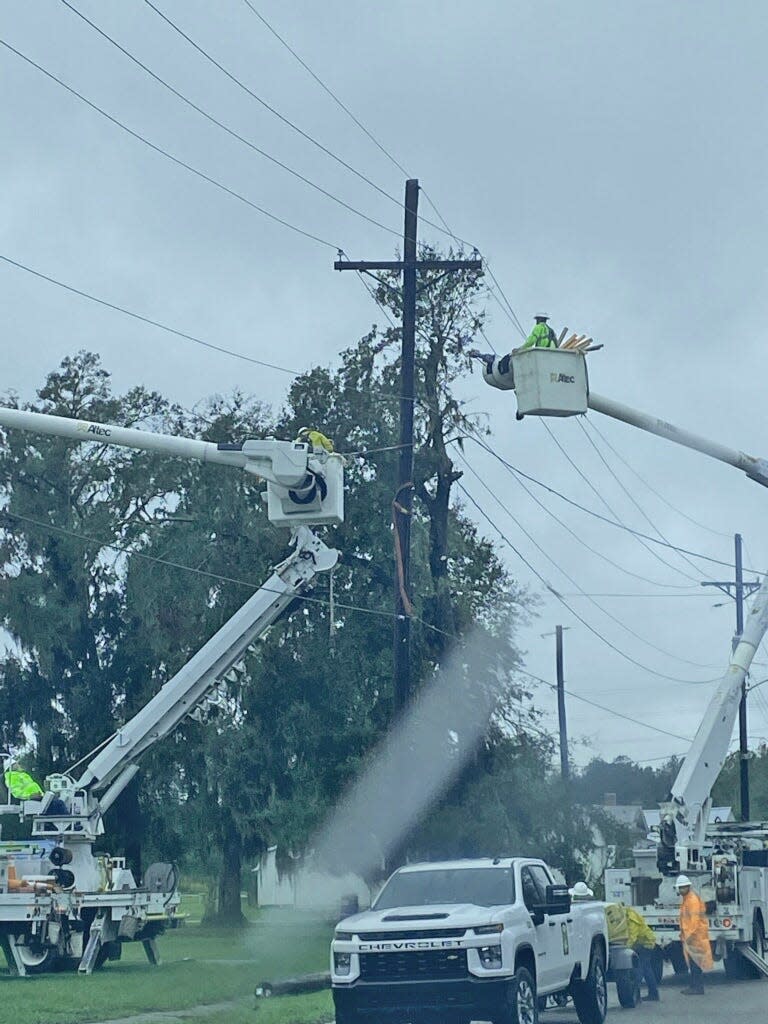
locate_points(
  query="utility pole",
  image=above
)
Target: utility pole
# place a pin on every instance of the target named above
(739, 588)
(409, 266)
(565, 770)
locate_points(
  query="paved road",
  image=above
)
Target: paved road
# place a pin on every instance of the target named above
(725, 1002)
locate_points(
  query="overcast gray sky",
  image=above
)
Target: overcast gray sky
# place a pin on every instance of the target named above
(608, 158)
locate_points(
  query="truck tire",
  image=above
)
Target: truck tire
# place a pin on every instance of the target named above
(521, 1005)
(628, 989)
(590, 996)
(347, 1017)
(38, 960)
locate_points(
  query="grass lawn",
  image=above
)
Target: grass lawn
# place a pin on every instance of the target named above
(200, 965)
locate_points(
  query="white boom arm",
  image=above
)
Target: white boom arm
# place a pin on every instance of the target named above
(304, 487)
(280, 462)
(114, 766)
(690, 798)
(755, 468)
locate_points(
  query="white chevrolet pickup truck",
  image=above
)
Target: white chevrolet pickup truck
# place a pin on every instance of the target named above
(470, 940)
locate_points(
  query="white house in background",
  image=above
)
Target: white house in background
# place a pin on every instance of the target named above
(306, 888)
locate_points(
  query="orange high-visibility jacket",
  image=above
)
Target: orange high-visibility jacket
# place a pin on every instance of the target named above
(694, 931)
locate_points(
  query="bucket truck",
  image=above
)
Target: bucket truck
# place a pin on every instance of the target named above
(59, 900)
(726, 862)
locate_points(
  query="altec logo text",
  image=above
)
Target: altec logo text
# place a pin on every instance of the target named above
(561, 378)
(93, 428)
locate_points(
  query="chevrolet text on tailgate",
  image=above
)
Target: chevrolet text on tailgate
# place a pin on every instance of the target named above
(470, 940)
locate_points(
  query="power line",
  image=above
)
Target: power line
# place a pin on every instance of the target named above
(604, 501)
(220, 124)
(145, 319)
(597, 515)
(651, 488)
(610, 711)
(610, 615)
(168, 155)
(561, 599)
(328, 90)
(272, 110)
(632, 498)
(588, 547)
(219, 577)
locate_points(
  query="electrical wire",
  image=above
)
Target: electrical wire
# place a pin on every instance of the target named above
(651, 488)
(218, 577)
(604, 501)
(328, 90)
(634, 501)
(597, 515)
(220, 124)
(576, 615)
(168, 155)
(605, 611)
(603, 707)
(272, 110)
(595, 551)
(503, 301)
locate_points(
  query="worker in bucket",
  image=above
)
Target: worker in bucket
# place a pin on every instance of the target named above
(694, 935)
(542, 335)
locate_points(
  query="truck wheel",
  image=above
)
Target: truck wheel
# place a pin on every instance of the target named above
(37, 960)
(521, 1006)
(590, 996)
(347, 1017)
(628, 989)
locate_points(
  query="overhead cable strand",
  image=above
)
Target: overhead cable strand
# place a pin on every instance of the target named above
(597, 515)
(610, 711)
(632, 498)
(561, 599)
(219, 577)
(583, 593)
(168, 155)
(272, 110)
(651, 488)
(327, 89)
(230, 131)
(145, 319)
(604, 501)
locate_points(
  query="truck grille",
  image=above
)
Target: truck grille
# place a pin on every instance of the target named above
(431, 933)
(416, 965)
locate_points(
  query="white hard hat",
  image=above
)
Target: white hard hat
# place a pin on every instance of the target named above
(581, 889)
(682, 881)
(541, 316)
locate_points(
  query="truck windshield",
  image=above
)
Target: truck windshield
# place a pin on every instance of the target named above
(484, 887)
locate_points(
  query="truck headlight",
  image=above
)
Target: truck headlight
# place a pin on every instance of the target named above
(490, 957)
(343, 936)
(342, 963)
(488, 929)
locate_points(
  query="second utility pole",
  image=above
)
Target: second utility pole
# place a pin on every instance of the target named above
(565, 770)
(410, 265)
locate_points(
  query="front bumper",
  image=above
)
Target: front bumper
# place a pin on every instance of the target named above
(482, 997)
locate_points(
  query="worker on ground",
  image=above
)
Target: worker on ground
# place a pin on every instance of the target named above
(627, 927)
(643, 941)
(694, 935)
(581, 893)
(542, 335)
